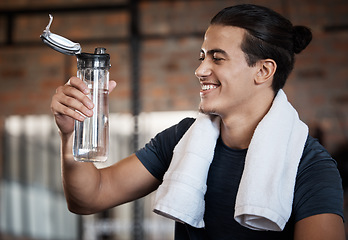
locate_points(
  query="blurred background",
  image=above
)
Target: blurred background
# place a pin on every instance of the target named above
(154, 48)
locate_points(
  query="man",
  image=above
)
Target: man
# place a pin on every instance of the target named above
(247, 54)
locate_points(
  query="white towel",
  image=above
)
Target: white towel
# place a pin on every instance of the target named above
(181, 195)
(265, 194)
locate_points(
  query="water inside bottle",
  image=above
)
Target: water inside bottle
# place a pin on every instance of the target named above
(92, 135)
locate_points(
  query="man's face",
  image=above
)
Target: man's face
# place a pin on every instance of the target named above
(227, 82)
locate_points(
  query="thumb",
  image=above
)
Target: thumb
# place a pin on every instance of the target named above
(112, 85)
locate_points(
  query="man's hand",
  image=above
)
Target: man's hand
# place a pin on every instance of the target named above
(71, 102)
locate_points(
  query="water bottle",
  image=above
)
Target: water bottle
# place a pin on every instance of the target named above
(91, 137)
(91, 140)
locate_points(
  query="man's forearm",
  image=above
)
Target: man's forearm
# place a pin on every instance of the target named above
(80, 180)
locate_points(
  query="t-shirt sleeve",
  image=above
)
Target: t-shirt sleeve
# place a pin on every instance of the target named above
(157, 154)
(318, 186)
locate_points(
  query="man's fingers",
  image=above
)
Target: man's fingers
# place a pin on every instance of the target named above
(78, 84)
(81, 106)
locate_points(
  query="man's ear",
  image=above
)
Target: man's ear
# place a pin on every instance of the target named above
(265, 71)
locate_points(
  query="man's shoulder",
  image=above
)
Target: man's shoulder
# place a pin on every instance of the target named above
(186, 123)
(314, 150)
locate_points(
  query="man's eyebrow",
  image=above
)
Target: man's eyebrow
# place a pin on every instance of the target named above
(215, 50)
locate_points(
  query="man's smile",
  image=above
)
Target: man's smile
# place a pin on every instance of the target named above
(206, 87)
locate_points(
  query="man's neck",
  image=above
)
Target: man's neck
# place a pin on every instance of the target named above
(237, 129)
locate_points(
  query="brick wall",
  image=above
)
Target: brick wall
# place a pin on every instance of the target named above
(30, 71)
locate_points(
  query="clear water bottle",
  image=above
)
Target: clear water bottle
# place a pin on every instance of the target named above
(91, 140)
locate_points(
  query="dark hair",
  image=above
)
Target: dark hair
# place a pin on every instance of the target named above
(268, 35)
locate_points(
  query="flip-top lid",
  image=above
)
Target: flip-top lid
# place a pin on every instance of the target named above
(59, 43)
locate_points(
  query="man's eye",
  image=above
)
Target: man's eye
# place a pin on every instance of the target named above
(201, 58)
(216, 59)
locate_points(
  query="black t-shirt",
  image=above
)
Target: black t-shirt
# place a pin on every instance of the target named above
(318, 186)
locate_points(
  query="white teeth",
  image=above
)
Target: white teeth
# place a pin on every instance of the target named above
(207, 87)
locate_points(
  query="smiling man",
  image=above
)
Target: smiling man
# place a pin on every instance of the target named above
(240, 94)
(244, 169)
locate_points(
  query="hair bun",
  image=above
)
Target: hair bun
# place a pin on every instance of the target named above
(302, 36)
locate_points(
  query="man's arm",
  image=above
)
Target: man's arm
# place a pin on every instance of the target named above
(320, 227)
(88, 189)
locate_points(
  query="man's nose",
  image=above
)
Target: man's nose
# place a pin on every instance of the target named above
(203, 70)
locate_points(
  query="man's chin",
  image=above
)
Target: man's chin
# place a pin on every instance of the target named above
(207, 112)
(201, 110)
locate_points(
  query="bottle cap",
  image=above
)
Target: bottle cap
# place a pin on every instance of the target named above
(100, 59)
(59, 43)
